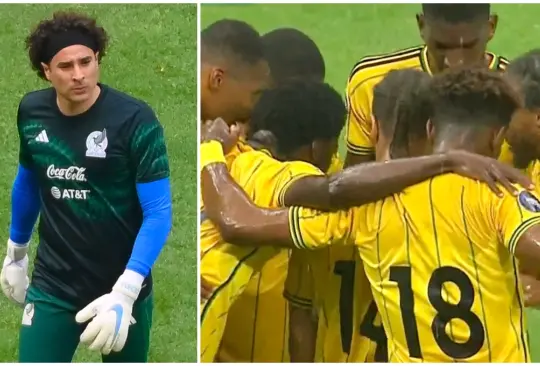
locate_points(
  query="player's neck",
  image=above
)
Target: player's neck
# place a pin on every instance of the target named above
(73, 109)
(459, 144)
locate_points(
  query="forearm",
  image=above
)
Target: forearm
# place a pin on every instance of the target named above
(302, 334)
(25, 206)
(371, 182)
(352, 159)
(156, 204)
(227, 205)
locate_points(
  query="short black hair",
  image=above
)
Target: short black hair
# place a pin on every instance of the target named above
(63, 21)
(292, 54)
(298, 113)
(233, 40)
(473, 98)
(525, 72)
(456, 13)
(400, 104)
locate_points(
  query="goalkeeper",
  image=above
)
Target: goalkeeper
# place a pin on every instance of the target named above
(93, 166)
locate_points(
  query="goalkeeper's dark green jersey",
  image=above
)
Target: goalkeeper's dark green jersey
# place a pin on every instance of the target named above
(87, 167)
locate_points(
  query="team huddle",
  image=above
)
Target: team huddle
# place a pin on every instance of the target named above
(421, 247)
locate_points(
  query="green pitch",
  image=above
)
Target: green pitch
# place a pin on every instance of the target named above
(152, 56)
(345, 33)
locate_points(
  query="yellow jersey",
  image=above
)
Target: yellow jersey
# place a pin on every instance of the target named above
(439, 259)
(349, 327)
(207, 233)
(229, 268)
(265, 339)
(367, 73)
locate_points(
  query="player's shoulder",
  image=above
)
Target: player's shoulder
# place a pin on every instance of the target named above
(251, 155)
(298, 167)
(469, 191)
(261, 162)
(374, 67)
(134, 109)
(251, 161)
(37, 99)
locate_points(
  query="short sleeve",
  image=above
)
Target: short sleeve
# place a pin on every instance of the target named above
(359, 99)
(148, 149)
(299, 287)
(314, 229)
(293, 172)
(514, 216)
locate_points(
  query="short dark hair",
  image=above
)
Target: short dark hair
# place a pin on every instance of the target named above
(400, 103)
(473, 97)
(292, 54)
(456, 13)
(298, 113)
(233, 40)
(525, 71)
(62, 21)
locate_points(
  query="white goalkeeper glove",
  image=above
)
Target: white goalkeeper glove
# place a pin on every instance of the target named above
(112, 315)
(14, 276)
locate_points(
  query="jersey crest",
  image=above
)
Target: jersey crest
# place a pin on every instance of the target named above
(96, 144)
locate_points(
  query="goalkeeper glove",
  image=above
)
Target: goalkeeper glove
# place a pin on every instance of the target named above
(111, 315)
(14, 276)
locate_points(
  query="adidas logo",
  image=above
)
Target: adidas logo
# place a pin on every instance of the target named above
(42, 137)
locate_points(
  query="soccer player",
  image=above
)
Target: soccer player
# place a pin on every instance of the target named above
(446, 230)
(351, 330)
(234, 71)
(339, 343)
(453, 35)
(523, 137)
(302, 61)
(229, 268)
(93, 166)
(233, 74)
(257, 322)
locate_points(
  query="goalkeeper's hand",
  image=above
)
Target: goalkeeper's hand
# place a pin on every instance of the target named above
(112, 315)
(14, 276)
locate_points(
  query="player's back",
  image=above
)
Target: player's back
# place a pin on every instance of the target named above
(349, 328)
(229, 268)
(445, 284)
(258, 324)
(265, 180)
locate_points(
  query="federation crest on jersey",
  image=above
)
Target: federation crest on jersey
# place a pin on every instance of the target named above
(528, 201)
(96, 144)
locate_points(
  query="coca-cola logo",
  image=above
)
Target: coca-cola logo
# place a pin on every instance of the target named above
(73, 173)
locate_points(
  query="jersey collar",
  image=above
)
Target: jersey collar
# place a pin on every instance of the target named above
(493, 61)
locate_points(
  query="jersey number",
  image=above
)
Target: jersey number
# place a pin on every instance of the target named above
(445, 311)
(346, 270)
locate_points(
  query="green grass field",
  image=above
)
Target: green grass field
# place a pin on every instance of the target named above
(345, 33)
(152, 56)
